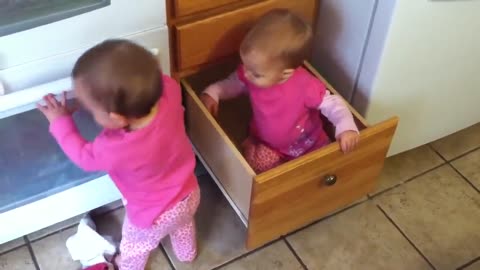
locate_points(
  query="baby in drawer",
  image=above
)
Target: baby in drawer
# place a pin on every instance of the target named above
(285, 97)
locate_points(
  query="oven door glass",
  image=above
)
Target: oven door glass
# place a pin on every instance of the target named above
(20, 15)
(32, 165)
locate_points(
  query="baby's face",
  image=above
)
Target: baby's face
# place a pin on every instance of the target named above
(102, 117)
(260, 70)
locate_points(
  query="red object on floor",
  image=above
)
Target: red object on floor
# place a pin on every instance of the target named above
(100, 266)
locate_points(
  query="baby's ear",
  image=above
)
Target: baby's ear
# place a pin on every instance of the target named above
(119, 120)
(287, 73)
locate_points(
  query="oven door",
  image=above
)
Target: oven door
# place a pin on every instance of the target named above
(39, 186)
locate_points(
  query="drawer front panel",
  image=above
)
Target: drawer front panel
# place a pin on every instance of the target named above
(221, 155)
(208, 40)
(298, 193)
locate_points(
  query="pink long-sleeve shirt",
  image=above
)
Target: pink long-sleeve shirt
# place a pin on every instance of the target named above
(284, 112)
(153, 167)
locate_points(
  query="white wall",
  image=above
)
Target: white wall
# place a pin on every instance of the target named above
(429, 73)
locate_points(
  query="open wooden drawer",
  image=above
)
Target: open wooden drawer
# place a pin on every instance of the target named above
(294, 194)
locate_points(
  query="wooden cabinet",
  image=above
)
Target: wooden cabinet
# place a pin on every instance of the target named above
(207, 38)
(296, 193)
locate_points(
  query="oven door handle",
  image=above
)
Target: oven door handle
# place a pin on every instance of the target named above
(25, 100)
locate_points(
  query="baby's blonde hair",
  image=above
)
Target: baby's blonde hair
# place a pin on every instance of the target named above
(281, 35)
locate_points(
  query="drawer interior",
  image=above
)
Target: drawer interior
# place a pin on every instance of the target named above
(218, 141)
(234, 115)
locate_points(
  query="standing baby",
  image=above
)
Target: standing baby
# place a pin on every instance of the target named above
(143, 147)
(285, 98)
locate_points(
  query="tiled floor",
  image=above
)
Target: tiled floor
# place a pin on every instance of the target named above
(425, 214)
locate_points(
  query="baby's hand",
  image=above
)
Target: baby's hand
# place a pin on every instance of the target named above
(210, 104)
(348, 140)
(54, 109)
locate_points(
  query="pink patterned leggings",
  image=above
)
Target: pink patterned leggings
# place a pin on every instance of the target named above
(263, 158)
(177, 222)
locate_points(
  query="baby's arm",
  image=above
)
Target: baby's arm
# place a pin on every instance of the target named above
(228, 88)
(337, 112)
(83, 153)
(335, 109)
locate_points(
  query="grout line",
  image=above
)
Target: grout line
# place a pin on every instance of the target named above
(455, 169)
(437, 152)
(469, 263)
(304, 266)
(162, 249)
(326, 217)
(32, 254)
(246, 254)
(425, 172)
(373, 196)
(455, 158)
(464, 178)
(405, 181)
(406, 237)
(464, 154)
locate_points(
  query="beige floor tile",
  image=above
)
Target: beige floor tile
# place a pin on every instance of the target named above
(359, 238)
(220, 233)
(469, 166)
(18, 259)
(406, 165)
(54, 228)
(51, 252)
(158, 261)
(276, 256)
(474, 266)
(111, 224)
(459, 143)
(11, 245)
(440, 213)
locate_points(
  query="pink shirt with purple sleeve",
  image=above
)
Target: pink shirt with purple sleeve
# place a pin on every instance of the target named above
(285, 116)
(153, 167)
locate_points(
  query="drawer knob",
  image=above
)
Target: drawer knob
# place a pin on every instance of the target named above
(330, 179)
